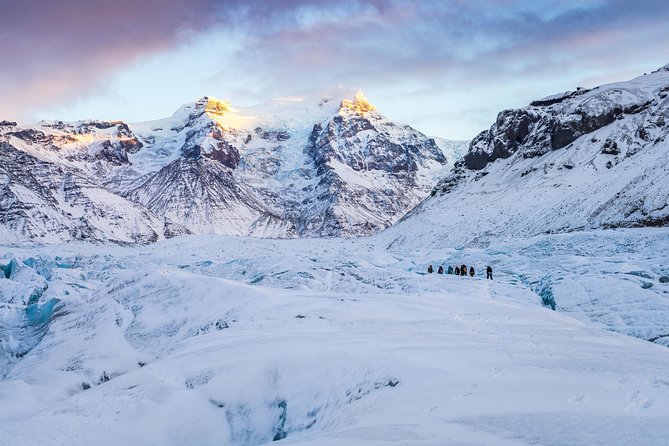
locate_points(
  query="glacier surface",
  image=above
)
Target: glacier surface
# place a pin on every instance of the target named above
(211, 340)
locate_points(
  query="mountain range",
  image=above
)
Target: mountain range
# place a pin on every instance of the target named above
(294, 167)
(333, 166)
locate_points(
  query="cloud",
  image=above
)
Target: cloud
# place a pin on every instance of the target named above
(433, 40)
(61, 51)
(499, 54)
(54, 50)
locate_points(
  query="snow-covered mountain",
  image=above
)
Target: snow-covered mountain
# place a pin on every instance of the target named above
(595, 158)
(292, 167)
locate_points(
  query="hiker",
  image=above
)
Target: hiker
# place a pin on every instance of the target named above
(429, 269)
(488, 272)
(471, 271)
(440, 270)
(463, 270)
(457, 270)
(450, 269)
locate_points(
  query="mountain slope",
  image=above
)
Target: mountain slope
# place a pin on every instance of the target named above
(46, 202)
(586, 159)
(333, 168)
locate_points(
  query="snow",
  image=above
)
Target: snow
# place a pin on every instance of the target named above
(209, 340)
(293, 115)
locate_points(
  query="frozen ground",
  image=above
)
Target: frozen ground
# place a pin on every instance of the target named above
(215, 341)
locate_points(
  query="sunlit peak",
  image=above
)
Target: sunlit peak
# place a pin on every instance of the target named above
(216, 107)
(359, 104)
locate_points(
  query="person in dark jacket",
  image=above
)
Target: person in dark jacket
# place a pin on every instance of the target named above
(471, 271)
(430, 269)
(440, 270)
(457, 270)
(450, 269)
(463, 270)
(488, 272)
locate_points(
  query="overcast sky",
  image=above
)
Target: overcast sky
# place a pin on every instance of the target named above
(445, 67)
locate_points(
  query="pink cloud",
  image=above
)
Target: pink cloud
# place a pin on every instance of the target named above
(62, 49)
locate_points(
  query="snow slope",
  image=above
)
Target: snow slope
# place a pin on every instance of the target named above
(581, 160)
(213, 340)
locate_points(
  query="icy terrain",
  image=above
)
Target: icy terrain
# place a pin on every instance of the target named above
(211, 340)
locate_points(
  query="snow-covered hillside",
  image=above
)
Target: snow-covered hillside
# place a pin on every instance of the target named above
(594, 158)
(293, 167)
(239, 341)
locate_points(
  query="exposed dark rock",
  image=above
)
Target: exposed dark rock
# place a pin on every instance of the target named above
(272, 135)
(32, 136)
(544, 126)
(557, 99)
(610, 148)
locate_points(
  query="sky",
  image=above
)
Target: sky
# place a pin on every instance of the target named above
(445, 67)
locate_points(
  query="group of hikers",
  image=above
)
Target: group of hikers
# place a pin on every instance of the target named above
(460, 270)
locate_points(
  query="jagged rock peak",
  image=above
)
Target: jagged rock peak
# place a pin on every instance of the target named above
(359, 104)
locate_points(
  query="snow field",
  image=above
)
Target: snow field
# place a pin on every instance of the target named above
(215, 340)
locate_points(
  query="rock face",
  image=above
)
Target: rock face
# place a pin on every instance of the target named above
(188, 189)
(595, 158)
(333, 167)
(555, 122)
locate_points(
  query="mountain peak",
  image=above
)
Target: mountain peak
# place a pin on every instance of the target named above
(359, 104)
(213, 106)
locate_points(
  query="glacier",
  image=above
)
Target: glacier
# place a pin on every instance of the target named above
(209, 340)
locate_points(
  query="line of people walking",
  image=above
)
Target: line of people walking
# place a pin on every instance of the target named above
(461, 270)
